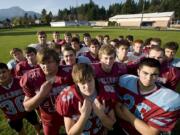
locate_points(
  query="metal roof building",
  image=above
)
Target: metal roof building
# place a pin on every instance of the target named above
(159, 19)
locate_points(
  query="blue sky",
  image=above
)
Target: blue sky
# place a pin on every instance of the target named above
(51, 5)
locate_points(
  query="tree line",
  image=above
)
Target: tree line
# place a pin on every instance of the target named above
(91, 11)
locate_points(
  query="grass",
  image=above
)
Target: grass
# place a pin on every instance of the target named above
(21, 37)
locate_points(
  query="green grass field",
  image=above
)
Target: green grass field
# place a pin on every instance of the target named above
(21, 37)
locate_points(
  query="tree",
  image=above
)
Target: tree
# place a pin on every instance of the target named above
(43, 16)
(129, 7)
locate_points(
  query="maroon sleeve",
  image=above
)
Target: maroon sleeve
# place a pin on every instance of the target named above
(173, 77)
(17, 70)
(26, 86)
(64, 103)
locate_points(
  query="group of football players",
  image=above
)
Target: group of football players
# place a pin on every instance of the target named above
(97, 86)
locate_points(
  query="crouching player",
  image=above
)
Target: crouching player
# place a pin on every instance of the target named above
(147, 108)
(11, 102)
(86, 108)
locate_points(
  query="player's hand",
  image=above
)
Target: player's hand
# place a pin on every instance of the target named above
(45, 88)
(99, 108)
(85, 108)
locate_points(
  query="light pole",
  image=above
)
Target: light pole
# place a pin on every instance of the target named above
(142, 14)
(77, 12)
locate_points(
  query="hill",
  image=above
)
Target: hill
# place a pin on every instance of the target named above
(15, 12)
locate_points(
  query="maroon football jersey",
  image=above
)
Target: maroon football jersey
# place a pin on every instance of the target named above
(110, 78)
(92, 59)
(11, 100)
(169, 76)
(67, 105)
(22, 67)
(32, 81)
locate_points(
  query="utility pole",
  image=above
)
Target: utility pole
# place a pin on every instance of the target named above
(77, 12)
(142, 14)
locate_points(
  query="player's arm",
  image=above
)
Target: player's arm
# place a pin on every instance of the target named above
(76, 128)
(107, 120)
(30, 103)
(142, 127)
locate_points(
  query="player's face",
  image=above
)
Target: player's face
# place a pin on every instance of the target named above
(148, 75)
(158, 55)
(106, 40)
(107, 61)
(94, 49)
(42, 39)
(69, 57)
(170, 54)
(88, 87)
(68, 39)
(49, 67)
(56, 36)
(75, 46)
(137, 47)
(4, 75)
(31, 57)
(18, 56)
(87, 40)
(122, 51)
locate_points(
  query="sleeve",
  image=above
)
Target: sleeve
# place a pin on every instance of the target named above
(17, 70)
(173, 78)
(164, 122)
(64, 104)
(26, 86)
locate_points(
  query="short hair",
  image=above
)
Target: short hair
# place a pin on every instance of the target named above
(14, 50)
(47, 54)
(68, 34)
(30, 50)
(75, 39)
(123, 42)
(56, 32)
(130, 38)
(3, 66)
(157, 48)
(107, 36)
(171, 45)
(94, 41)
(158, 40)
(76, 35)
(107, 50)
(41, 33)
(69, 48)
(54, 46)
(86, 35)
(82, 72)
(147, 41)
(139, 41)
(150, 62)
(99, 36)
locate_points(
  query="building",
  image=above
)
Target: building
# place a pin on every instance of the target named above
(99, 23)
(63, 23)
(160, 19)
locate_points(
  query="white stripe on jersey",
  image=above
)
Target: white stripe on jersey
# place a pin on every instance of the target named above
(160, 123)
